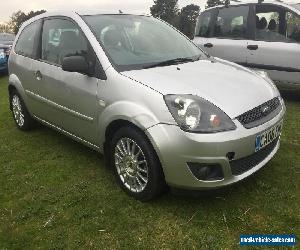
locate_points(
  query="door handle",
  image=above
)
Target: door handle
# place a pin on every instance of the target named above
(38, 75)
(252, 47)
(208, 45)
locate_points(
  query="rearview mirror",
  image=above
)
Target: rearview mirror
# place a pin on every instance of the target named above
(75, 64)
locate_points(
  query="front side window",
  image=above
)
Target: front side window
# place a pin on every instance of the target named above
(62, 38)
(203, 24)
(232, 22)
(135, 42)
(293, 27)
(26, 42)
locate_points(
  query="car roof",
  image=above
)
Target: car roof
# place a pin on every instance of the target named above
(245, 2)
(76, 14)
(83, 13)
(108, 12)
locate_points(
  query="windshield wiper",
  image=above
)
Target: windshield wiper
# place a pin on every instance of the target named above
(170, 62)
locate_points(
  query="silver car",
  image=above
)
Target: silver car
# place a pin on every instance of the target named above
(135, 89)
(255, 34)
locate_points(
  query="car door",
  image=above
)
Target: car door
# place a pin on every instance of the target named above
(67, 100)
(24, 56)
(228, 34)
(276, 45)
(204, 27)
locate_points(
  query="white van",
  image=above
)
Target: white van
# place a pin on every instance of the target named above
(260, 35)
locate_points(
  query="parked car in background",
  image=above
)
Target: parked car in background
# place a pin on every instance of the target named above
(4, 55)
(137, 90)
(260, 35)
(6, 42)
(7, 39)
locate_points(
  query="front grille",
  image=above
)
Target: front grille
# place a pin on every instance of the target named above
(243, 165)
(260, 114)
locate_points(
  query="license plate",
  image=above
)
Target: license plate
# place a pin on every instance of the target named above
(267, 137)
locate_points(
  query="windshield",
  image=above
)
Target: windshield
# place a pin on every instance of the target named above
(136, 42)
(297, 6)
(4, 37)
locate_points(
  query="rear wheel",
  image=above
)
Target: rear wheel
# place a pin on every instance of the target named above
(136, 165)
(20, 113)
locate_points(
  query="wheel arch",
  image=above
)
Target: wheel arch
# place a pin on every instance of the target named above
(114, 126)
(14, 84)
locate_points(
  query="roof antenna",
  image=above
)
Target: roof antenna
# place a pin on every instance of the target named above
(260, 1)
(120, 12)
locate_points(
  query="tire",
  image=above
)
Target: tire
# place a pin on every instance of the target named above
(21, 116)
(138, 171)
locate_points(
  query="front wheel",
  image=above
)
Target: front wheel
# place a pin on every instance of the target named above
(136, 165)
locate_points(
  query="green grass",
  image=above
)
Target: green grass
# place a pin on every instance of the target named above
(56, 193)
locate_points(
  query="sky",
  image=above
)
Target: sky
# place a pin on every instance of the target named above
(132, 6)
(135, 6)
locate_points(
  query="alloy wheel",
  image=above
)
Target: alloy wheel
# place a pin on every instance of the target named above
(131, 165)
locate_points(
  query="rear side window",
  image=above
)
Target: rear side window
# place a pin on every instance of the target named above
(26, 43)
(203, 25)
(276, 24)
(293, 27)
(232, 22)
(269, 23)
(62, 38)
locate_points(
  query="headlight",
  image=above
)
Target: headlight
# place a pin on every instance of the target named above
(194, 114)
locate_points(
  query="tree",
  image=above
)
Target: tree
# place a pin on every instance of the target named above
(212, 3)
(188, 18)
(166, 10)
(20, 17)
(5, 28)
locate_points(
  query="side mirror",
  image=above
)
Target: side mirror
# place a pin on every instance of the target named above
(75, 64)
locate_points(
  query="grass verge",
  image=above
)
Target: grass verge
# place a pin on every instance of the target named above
(56, 193)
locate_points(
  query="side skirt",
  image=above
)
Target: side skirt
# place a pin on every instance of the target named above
(74, 137)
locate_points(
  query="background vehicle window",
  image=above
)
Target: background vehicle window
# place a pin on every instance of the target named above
(269, 23)
(232, 22)
(293, 27)
(202, 28)
(62, 38)
(275, 24)
(25, 44)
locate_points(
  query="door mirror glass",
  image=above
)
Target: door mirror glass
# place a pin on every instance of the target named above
(75, 64)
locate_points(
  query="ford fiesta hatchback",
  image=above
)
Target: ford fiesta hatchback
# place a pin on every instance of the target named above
(134, 88)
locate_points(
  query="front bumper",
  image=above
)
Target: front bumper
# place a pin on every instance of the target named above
(177, 148)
